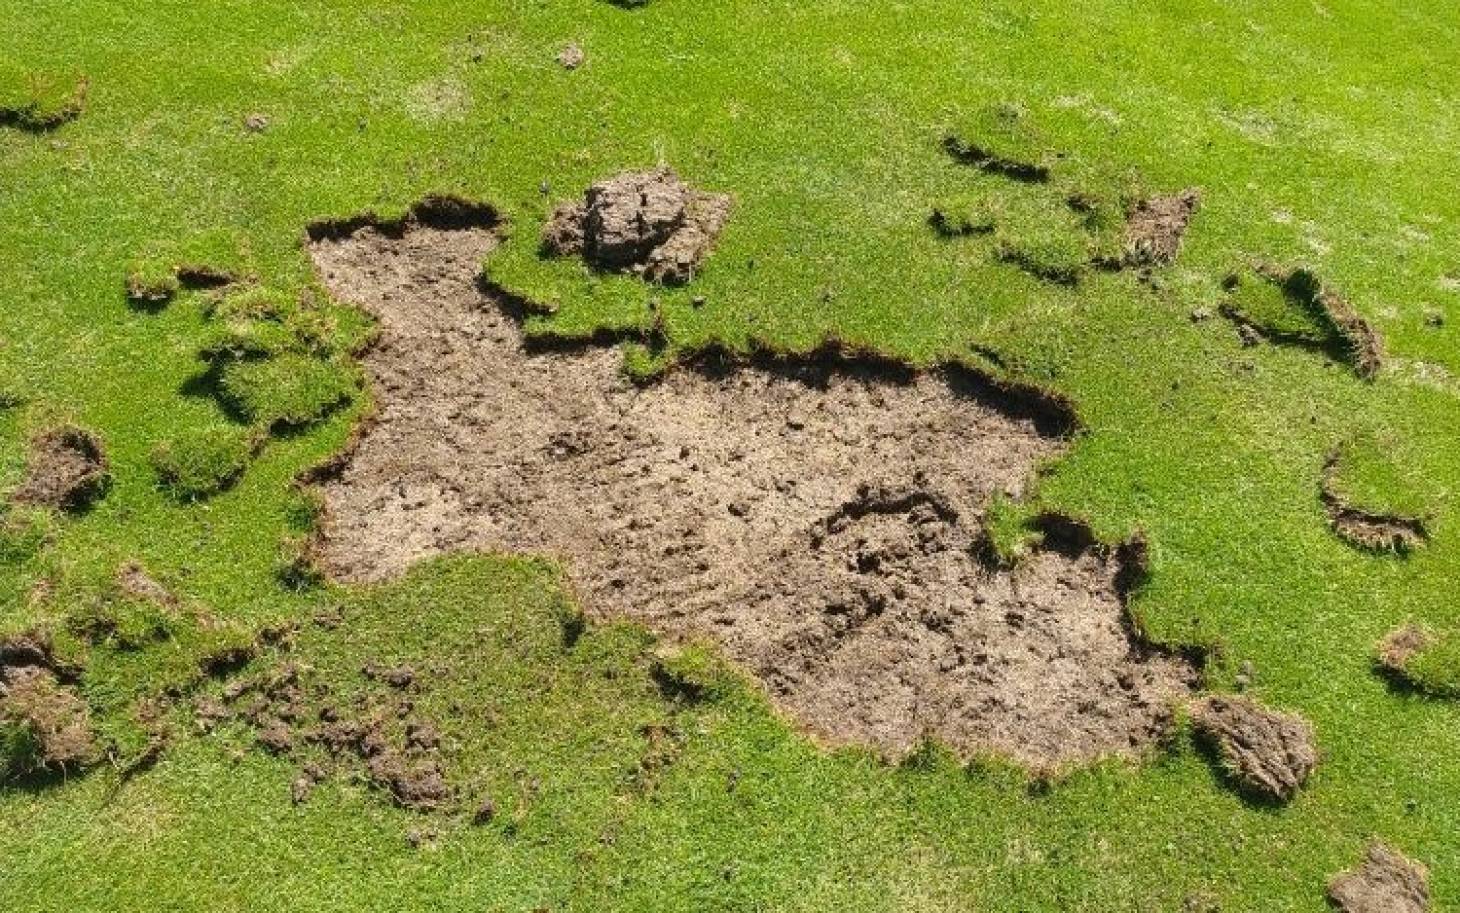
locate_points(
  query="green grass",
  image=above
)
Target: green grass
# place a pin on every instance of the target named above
(203, 462)
(1317, 135)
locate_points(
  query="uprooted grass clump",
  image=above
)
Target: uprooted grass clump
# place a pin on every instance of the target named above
(1052, 225)
(1004, 140)
(1294, 306)
(1423, 658)
(649, 223)
(203, 260)
(37, 102)
(1374, 500)
(1268, 754)
(278, 360)
(204, 461)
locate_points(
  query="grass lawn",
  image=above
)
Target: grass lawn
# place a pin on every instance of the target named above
(1320, 134)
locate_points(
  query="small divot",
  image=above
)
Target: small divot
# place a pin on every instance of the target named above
(1386, 881)
(256, 122)
(1268, 753)
(648, 222)
(44, 724)
(66, 470)
(817, 517)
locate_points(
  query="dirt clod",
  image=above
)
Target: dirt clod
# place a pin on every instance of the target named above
(818, 517)
(571, 57)
(1269, 753)
(647, 222)
(67, 470)
(1156, 227)
(256, 122)
(1385, 882)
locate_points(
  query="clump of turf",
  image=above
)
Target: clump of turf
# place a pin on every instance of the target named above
(1269, 754)
(203, 462)
(278, 360)
(1010, 531)
(1002, 139)
(1375, 500)
(38, 102)
(209, 259)
(1048, 251)
(962, 215)
(1296, 307)
(291, 390)
(1425, 659)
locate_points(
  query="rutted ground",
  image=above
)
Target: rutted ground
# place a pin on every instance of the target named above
(821, 519)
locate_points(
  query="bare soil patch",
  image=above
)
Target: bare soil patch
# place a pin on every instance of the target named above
(1156, 227)
(1385, 882)
(1270, 754)
(67, 470)
(819, 517)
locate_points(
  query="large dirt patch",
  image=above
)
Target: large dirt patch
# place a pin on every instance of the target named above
(818, 518)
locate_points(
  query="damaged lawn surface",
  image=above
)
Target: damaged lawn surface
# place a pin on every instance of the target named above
(1284, 446)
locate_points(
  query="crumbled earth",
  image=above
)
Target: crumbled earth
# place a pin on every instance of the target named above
(134, 580)
(67, 470)
(379, 734)
(818, 517)
(1386, 882)
(35, 700)
(1365, 529)
(1269, 753)
(647, 222)
(1156, 227)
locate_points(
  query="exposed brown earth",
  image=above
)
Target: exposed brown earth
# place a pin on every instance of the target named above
(66, 470)
(1156, 228)
(1270, 754)
(1385, 882)
(1400, 645)
(818, 517)
(34, 700)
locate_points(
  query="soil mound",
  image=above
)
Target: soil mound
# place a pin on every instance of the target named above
(647, 222)
(818, 517)
(67, 470)
(1270, 754)
(1386, 882)
(1156, 227)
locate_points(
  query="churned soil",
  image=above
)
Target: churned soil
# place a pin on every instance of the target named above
(1156, 227)
(819, 517)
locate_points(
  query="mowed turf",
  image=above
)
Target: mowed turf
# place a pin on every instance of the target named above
(1323, 134)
